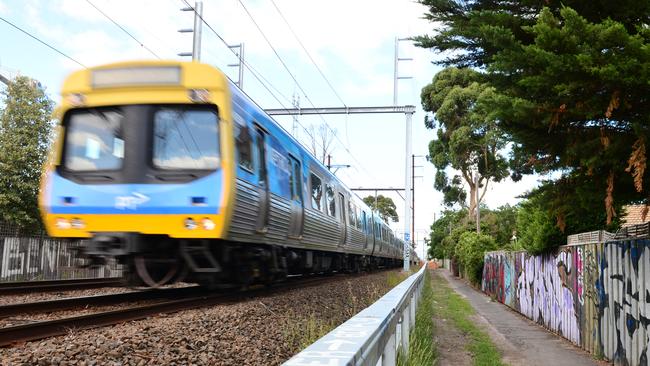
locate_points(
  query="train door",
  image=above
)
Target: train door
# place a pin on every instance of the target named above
(297, 205)
(262, 181)
(342, 214)
(366, 229)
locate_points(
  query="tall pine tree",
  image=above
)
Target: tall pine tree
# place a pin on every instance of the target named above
(25, 134)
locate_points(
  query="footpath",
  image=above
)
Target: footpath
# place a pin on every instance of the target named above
(520, 341)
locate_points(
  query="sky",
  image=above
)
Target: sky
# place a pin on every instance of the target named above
(352, 42)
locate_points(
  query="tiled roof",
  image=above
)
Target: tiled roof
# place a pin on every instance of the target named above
(634, 215)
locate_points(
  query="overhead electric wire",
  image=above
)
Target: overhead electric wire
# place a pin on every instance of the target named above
(299, 86)
(43, 43)
(308, 54)
(255, 74)
(122, 28)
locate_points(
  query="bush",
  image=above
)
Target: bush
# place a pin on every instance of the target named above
(470, 251)
(537, 229)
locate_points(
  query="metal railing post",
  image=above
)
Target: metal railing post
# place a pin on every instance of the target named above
(388, 357)
(406, 327)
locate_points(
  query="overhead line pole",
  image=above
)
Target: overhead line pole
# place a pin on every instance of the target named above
(408, 111)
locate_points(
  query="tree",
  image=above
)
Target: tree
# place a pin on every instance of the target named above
(321, 139)
(570, 80)
(468, 138)
(25, 132)
(384, 205)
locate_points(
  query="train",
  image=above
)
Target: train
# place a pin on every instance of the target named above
(168, 168)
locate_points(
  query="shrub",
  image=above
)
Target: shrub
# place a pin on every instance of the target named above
(470, 251)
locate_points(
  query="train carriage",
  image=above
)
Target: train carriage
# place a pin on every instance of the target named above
(172, 170)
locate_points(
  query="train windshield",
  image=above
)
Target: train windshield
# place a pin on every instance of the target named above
(185, 138)
(94, 140)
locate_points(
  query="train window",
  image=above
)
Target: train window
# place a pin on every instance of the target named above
(352, 214)
(185, 138)
(243, 143)
(342, 202)
(94, 140)
(295, 185)
(316, 192)
(361, 218)
(331, 203)
(261, 154)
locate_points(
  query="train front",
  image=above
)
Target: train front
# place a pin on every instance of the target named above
(141, 167)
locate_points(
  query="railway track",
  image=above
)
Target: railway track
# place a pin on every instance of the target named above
(12, 288)
(49, 328)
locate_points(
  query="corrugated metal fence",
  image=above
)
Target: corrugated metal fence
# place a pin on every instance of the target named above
(597, 295)
(28, 256)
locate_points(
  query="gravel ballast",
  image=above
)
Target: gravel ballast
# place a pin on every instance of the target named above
(264, 330)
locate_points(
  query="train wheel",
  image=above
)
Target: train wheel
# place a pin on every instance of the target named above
(157, 278)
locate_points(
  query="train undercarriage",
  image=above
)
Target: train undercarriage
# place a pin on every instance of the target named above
(157, 260)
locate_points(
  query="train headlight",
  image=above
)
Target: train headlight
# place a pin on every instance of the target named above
(77, 223)
(190, 224)
(208, 224)
(62, 223)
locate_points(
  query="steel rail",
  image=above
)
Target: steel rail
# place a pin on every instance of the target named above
(48, 306)
(51, 328)
(9, 288)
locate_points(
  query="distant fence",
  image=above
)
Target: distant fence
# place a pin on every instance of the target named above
(595, 294)
(28, 256)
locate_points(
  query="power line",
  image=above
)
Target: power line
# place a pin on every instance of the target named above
(259, 78)
(122, 28)
(308, 54)
(43, 43)
(299, 86)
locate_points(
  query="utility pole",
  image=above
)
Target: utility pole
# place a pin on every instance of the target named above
(407, 218)
(408, 111)
(413, 176)
(396, 76)
(197, 30)
(296, 104)
(478, 211)
(240, 63)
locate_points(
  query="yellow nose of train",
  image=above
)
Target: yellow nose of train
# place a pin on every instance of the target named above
(143, 147)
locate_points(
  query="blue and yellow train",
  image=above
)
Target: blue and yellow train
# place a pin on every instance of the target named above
(172, 170)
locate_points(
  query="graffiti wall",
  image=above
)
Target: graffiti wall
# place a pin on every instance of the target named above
(595, 295)
(35, 258)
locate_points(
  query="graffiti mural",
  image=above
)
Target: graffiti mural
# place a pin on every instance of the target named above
(25, 258)
(551, 289)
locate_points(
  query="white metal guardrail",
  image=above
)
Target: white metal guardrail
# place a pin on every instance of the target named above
(373, 336)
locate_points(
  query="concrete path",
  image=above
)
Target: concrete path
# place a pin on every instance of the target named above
(522, 341)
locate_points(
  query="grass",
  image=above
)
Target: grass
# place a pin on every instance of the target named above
(421, 347)
(301, 331)
(450, 305)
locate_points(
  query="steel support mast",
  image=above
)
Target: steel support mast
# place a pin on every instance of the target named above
(408, 111)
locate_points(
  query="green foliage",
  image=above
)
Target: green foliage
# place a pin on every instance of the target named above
(421, 348)
(384, 205)
(470, 251)
(468, 139)
(440, 229)
(570, 88)
(536, 229)
(500, 224)
(25, 133)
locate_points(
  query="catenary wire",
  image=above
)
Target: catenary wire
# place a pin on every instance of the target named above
(43, 43)
(308, 54)
(300, 87)
(123, 29)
